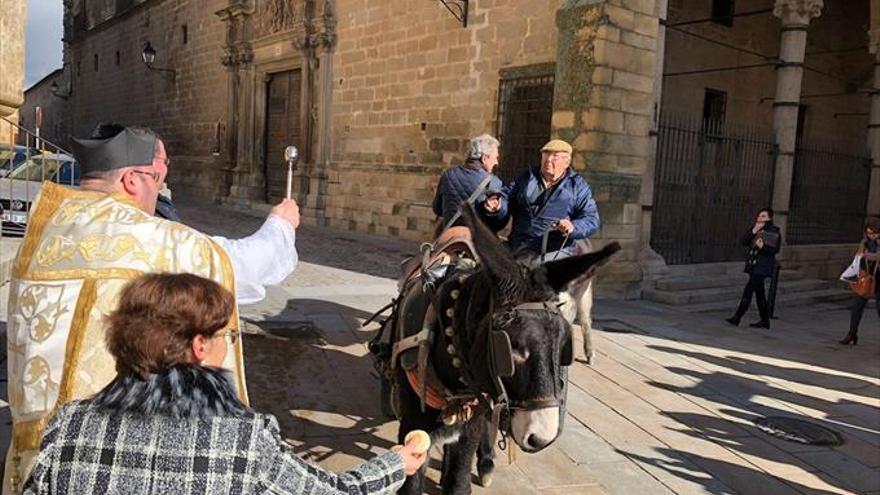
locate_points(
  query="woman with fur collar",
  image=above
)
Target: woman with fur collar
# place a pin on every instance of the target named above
(171, 421)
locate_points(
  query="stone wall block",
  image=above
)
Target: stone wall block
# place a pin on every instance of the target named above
(637, 40)
(647, 7)
(608, 97)
(611, 230)
(623, 188)
(604, 120)
(632, 164)
(638, 103)
(644, 62)
(627, 145)
(608, 32)
(632, 214)
(646, 24)
(615, 55)
(602, 75)
(638, 125)
(620, 17)
(600, 161)
(612, 214)
(563, 119)
(634, 82)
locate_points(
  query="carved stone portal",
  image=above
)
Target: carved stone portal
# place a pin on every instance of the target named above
(276, 16)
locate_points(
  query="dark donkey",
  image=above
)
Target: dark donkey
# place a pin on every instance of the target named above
(499, 355)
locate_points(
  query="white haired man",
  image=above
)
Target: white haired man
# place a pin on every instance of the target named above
(472, 180)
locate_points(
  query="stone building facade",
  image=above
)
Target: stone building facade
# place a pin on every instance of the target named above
(47, 95)
(12, 25)
(381, 97)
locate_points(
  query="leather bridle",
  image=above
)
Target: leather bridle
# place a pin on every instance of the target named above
(501, 366)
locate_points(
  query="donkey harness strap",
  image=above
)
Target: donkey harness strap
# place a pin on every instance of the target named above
(409, 343)
(430, 396)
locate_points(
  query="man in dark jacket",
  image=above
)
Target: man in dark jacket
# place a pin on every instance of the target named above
(763, 241)
(550, 199)
(458, 184)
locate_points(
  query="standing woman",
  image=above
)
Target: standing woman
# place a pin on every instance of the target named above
(763, 241)
(868, 251)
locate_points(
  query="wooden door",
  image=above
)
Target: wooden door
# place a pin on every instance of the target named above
(283, 128)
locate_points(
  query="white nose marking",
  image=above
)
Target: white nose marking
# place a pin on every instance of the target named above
(535, 429)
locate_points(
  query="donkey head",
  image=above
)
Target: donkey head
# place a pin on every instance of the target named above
(523, 304)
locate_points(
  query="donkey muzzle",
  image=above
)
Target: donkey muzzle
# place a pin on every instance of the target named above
(534, 429)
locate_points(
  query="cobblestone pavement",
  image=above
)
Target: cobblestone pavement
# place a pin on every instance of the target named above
(668, 406)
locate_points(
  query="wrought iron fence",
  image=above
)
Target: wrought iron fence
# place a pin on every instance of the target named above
(710, 180)
(525, 108)
(829, 192)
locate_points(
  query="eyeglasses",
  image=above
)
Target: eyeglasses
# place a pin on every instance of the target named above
(231, 335)
(156, 176)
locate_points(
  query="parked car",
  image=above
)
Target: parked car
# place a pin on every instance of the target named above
(13, 156)
(20, 187)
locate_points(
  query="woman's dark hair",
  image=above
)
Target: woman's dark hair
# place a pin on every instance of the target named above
(872, 223)
(768, 210)
(158, 316)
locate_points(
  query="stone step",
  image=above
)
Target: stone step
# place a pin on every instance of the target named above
(703, 269)
(782, 301)
(722, 280)
(727, 293)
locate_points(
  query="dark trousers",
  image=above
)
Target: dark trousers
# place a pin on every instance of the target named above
(858, 308)
(755, 286)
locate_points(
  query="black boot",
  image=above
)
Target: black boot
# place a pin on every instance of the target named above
(763, 310)
(740, 311)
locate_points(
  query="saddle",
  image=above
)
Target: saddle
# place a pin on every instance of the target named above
(452, 253)
(452, 244)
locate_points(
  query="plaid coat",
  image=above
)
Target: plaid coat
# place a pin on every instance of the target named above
(184, 432)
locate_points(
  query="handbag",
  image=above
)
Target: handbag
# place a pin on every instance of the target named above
(864, 287)
(771, 239)
(851, 274)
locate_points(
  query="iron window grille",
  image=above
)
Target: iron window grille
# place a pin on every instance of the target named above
(525, 109)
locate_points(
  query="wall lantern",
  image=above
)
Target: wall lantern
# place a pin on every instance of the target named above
(149, 56)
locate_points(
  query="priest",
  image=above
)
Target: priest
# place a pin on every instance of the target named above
(81, 247)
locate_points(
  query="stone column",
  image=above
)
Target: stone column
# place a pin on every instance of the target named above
(874, 117)
(653, 265)
(12, 24)
(245, 167)
(603, 104)
(326, 46)
(237, 184)
(795, 16)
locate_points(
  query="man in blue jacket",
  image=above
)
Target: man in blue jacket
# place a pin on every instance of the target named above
(473, 178)
(551, 198)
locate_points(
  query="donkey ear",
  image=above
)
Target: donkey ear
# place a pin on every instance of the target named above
(493, 255)
(562, 272)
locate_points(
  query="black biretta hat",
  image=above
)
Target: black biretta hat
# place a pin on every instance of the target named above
(115, 147)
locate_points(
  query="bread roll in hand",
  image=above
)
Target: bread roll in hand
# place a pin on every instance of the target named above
(420, 439)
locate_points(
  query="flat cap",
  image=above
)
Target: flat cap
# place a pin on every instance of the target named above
(129, 147)
(557, 145)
